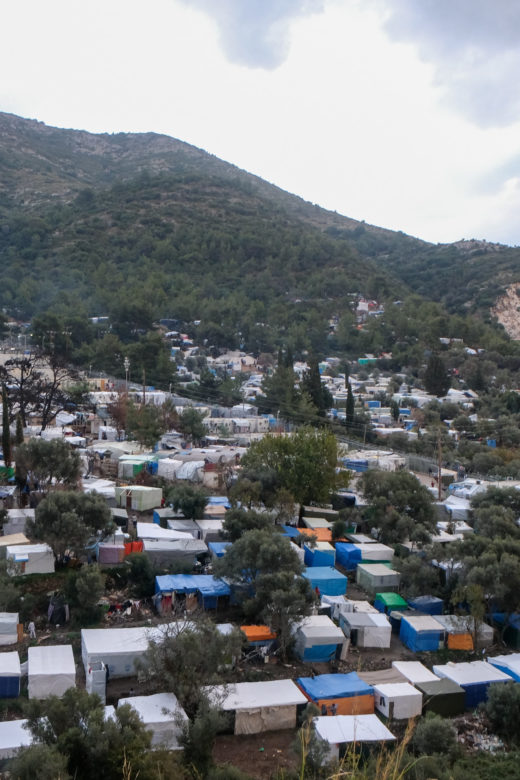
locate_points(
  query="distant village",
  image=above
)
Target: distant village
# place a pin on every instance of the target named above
(395, 617)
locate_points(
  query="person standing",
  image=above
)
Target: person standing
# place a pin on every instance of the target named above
(32, 630)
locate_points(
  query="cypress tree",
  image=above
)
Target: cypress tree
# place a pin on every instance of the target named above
(6, 434)
(19, 430)
(350, 407)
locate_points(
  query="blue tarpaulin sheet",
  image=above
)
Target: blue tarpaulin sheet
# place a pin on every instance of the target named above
(328, 580)
(316, 557)
(291, 532)
(419, 640)
(320, 653)
(430, 605)
(205, 584)
(347, 555)
(218, 548)
(334, 686)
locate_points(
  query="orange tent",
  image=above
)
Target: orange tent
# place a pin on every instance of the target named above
(258, 633)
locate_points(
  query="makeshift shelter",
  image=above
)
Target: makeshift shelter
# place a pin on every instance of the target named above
(327, 580)
(348, 555)
(51, 670)
(342, 730)
(398, 701)
(207, 589)
(382, 676)
(138, 498)
(13, 540)
(165, 552)
(374, 577)
(414, 672)
(322, 554)
(321, 534)
(509, 664)
(386, 602)
(154, 532)
(8, 628)
(96, 679)
(421, 633)
(110, 553)
(29, 559)
(348, 692)
(317, 638)
(17, 520)
(161, 714)
(316, 522)
(13, 738)
(475, 677)
(117, 648)
(443, 697)
(374, 552)
(210, 529)
(10, 674)
(258, 635)
(365, 629)
(332, 605)
(185, 525)
(217, 549)
(460, 632)
(396, 616)
(119, 516)
(291, 532)
(429, 605)
(259, 706)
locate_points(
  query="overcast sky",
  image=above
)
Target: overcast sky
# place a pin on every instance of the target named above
(402, 113)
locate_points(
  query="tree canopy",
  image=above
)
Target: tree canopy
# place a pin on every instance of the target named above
(45, 464)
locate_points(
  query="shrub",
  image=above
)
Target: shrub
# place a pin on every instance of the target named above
(434, 735)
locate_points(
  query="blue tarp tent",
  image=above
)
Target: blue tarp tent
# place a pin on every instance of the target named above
(219, 501)
(291, 532)
(347, 555)
(430, 605)
(421, 633)
(217, 549)
(334, 686)
(329, 581)
(208, 587)
(321, 555)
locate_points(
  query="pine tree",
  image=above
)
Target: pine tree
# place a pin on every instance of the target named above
(6, 434)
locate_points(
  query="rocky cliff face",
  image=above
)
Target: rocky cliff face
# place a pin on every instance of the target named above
(507, 310)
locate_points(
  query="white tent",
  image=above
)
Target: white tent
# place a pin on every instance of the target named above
(414, 671)
(162, 715)
(347, 729)
(366, 629)
(398, 701)
(154, 532)
(29, 559)
(376, 577)
(166, 551)
(8, 628)
(13, 737)
(317, 638)
(374, 551)
(210, 529)
(51, 670)
(260, 706)
(16, 520)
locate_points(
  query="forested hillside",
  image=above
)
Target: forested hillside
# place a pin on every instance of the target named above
(143, 227)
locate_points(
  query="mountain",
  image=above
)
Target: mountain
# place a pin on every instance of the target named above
(145, 226)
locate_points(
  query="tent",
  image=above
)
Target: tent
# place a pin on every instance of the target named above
(398, 701)
(421, 633)
(51, 670)
(414, 671)
(509, 664)
(13, 737)
(474, 676)
(96, 680)
(291, 532)
(460, 631)
(350, 694)
(154, 532)
(321, 534)
(217, 549)
(117, 648)
(396, 616)
(444, 697)
(343, 730)
(259, 706)
(316, 522)
(208, 588)
(374, 552)
(29, 559)
(258, 635)
(210, 529)
(17, 520)
(366, 629)
(348, 555)
(382, 676)
(166, 552)
(161, 714)
(10, 674)
(322, 554)
(139, 498)
(184, 524)
(429, 605)
(328, 580)
(318, 639)
(13, 539)
(386, 602)
(374, 577)
(8, 628)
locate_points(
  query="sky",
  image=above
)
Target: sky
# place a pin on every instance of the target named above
(402, 113)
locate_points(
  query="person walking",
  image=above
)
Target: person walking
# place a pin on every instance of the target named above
(32, 630)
